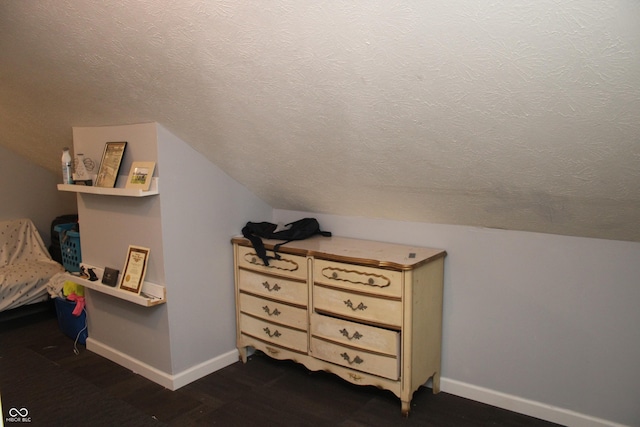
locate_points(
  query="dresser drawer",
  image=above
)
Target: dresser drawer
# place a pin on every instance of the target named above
(376, 364)
(356, 334)
(371, 280)
(288, 265)
(276, 334)
(379, 311)
(274, 311)
(273, 287)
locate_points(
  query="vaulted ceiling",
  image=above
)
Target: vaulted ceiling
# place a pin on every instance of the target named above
(513, 114)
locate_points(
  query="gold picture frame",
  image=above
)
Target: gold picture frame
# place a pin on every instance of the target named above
(110, 164)
(140, 175)
(135, 268)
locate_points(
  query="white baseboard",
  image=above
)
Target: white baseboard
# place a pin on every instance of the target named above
(523, 406)
(170, 381)
(205, 368)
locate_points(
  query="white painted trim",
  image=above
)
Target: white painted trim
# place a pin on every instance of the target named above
(532, 408)
(205, 368)
(172, 382)
(135, 365)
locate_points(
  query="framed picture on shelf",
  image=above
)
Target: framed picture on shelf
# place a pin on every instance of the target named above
(140, 175)
(135, 268)
(110, 164)
(110, 277)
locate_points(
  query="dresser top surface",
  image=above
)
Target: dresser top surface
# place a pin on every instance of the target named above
(366, 252)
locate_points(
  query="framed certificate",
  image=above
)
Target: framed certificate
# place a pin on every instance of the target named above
(140, 175)
(135, 267)
(110, 164)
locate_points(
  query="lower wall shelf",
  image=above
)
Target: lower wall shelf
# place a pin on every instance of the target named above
(151, 294)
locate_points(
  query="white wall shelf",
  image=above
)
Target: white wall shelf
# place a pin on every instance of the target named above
(127, 192)
(151, 294)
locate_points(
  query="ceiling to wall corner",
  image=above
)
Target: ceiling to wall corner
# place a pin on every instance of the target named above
(519, 115)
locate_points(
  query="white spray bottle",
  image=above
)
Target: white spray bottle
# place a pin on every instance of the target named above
(66, 166)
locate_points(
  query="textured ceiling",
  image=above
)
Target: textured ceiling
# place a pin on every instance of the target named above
(521, 114)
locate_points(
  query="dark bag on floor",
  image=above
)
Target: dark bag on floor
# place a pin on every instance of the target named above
(297, 230)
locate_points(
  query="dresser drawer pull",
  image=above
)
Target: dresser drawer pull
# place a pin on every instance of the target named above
(270, 288)
(275, 334)
(356, 335)
(356, 360)
(275, 311)
(356, 277)
(278, 264)
(349, 304)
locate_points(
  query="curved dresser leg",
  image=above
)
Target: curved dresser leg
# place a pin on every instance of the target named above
(406, 406)
(435, 383)
(243, 354)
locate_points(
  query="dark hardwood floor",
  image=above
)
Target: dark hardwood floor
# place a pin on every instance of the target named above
(262, 392)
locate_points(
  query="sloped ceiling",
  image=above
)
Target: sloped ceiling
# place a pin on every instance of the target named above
(513, 114)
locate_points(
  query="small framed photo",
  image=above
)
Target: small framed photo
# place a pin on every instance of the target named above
(135, 268)
(140, 175)
(110, 164)
(110, 277)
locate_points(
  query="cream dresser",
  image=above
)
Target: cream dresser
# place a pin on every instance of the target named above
(366, 311)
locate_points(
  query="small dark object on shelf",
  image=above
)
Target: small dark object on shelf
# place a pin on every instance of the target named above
(110, 276)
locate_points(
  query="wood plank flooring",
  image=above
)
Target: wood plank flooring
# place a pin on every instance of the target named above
(261, 392)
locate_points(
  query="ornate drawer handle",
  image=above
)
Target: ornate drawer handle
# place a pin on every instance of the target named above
(356, 277)
(356, 360)
(360, 306)
(356, 335)
(275, 287)
(275, 311)
(271, 335)
(278, 263)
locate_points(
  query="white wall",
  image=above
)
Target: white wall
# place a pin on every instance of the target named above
(188, 226)
(542, 324)
(29, 191)
(108, 225)
(202, 209)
